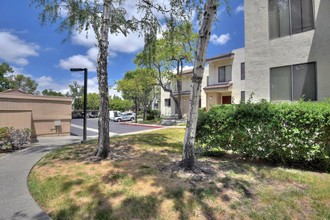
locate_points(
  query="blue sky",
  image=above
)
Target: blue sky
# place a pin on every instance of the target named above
(39, 51)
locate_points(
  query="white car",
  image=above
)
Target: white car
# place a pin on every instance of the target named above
(126, 116)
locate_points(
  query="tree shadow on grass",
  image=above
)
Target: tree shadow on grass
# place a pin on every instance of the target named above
(144, 163)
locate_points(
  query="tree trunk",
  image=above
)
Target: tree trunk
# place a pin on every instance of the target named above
(179, 88)
(103, 147)
(188, 155)
(136, 109)
(144, 112)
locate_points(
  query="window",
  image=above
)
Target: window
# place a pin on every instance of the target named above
(242, 96)
(168, 85)
(224, 74)
(290, 17)
(293, 82)
(242, 71)
(155, 105)
(167, 102)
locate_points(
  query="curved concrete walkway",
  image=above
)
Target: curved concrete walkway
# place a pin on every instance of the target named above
(15, 200)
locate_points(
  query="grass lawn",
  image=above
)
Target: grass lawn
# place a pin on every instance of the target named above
(134, 185)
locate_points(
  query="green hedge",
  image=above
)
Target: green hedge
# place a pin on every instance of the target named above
(286, 133)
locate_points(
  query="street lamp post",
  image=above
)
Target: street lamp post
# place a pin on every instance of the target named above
(85, 99)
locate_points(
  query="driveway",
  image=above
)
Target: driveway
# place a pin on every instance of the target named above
(116, 128)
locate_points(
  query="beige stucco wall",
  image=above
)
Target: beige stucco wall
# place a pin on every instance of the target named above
(38, 113)
(213, 69)
(261, 54)
(238, 84)
(186, 84)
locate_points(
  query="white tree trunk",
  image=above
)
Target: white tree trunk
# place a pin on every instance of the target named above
(103, 148)
(188, 157)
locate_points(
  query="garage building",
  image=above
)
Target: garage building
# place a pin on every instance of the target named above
(44, 115)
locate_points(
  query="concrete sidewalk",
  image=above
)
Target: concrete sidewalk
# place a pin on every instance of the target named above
(15, 200)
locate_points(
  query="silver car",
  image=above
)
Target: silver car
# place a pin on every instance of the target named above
(126, 116)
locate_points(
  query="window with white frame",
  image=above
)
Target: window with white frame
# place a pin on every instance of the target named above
(288, 17)
(224, 74)
(167, 102)
(242, 96)
(242, 71)
(291, 83)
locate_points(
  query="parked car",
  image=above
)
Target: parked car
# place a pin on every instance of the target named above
(77, 114)
(126, 116)
(114, 114)
(94, 114)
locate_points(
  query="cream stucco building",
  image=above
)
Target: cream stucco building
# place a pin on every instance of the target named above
(286, 56)
(167, 106)
(287, 49)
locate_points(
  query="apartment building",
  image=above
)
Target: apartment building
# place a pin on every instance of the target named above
(226, 79)
(287, 49)
(286, 56)
(168, 107)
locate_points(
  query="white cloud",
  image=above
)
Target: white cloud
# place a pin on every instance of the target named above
(78, 61)
(239, 9)
(47, 82)
(15, 50)
(220, 40)
(129, 44)
(117, 42)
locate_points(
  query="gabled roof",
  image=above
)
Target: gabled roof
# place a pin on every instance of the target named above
(18, 94)
(222, 56)
(14, 92)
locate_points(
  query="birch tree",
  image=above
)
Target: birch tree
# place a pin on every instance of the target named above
(103, 17)
(168, 56)
(188, 154)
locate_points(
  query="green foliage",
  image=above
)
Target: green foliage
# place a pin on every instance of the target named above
(116, 103)
(4, 68)
(21, 82)
(93, 101)
(77, 93)
(138, 86)
(286, 133)
(50, 92)
(153, 114)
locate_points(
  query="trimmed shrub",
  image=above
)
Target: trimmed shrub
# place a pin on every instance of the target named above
(4, 136)
(153, 114)
(284, 133)
(14, 138)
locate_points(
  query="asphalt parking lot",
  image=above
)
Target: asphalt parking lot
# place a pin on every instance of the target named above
(116, 128)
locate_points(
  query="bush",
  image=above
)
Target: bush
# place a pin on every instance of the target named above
(153, 114)
(14, 138)
(286, 133)
(4, 136)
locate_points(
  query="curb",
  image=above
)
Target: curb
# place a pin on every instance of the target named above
(142, 125)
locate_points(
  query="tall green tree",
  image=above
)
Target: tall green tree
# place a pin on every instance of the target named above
(4, 69)
(23, 83)
(119, 104)
(188, 154)
(77, 94)
(103, 17)
(93, 101)
(206, 11)
(50, 92)
(171, 52)
(138, 86)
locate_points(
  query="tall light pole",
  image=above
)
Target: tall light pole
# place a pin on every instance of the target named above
(85, 99)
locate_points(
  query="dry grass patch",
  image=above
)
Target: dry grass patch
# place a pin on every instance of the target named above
(136, 184)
